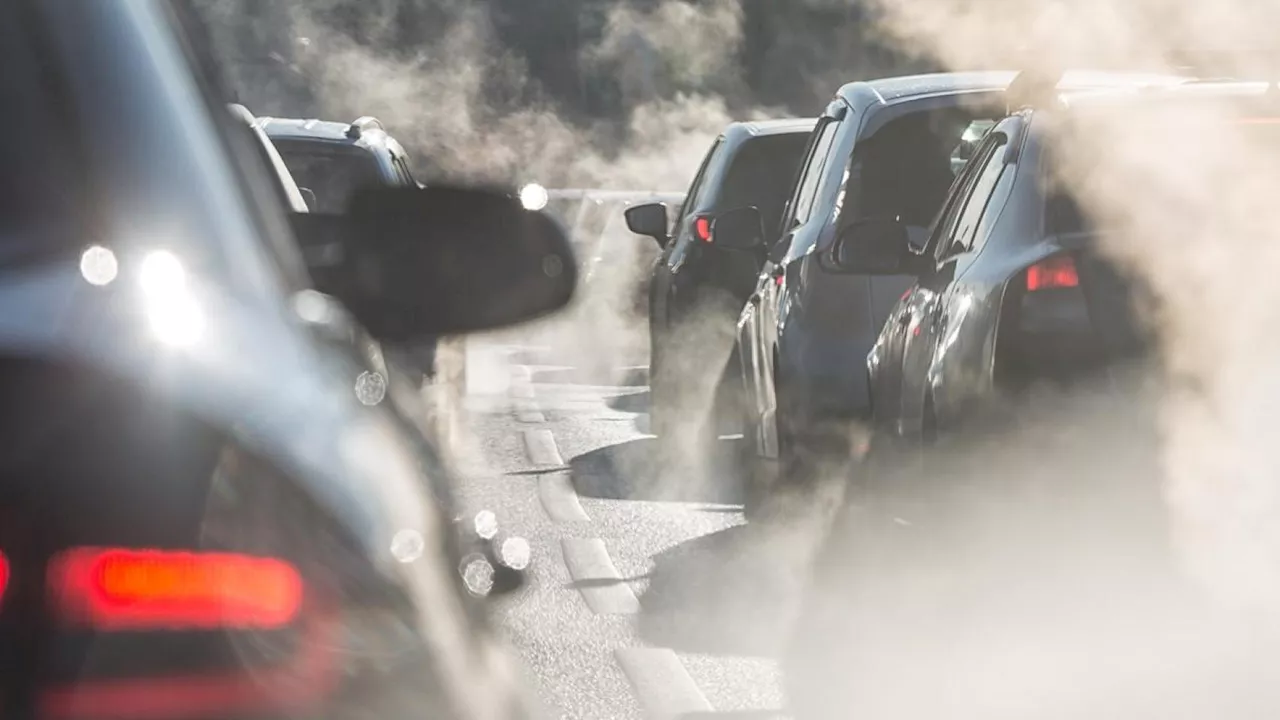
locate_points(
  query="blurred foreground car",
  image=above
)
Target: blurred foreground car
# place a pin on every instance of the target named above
(1016, 504)
(332, 161)
(207, 507)
(698, 288)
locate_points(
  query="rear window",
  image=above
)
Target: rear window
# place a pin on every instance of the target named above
(762, 174)
(332, 172)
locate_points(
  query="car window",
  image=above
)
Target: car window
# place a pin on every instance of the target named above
(984, 187)
(333, 172)
(815, 163)
(761, 175)
(698, 188)
(944, 225)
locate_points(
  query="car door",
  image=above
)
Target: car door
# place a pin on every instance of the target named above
(885, 360)
(677, 249)
(765, 303)
(925, 314)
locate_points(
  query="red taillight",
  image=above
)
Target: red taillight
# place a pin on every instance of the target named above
(1056, 272)
(4, 574)
(702, 228)
(117, 589)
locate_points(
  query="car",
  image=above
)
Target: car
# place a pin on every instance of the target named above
(331, 161)
(207, 506)
(1020, 398)
(697, 287)
(1010, 291)
(882, 148)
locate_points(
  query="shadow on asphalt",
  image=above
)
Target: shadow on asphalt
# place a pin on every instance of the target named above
(636, 402)
(733, 592)
(644, 469)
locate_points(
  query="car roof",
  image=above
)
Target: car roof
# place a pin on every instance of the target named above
(779, 126)
(323, 130)
(1191, 92)
(886, 91)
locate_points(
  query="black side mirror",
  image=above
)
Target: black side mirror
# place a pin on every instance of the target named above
(411, 263)
(738, 229)
(872, 246)
(648, 219)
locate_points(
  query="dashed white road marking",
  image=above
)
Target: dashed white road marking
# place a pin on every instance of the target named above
(559, 498)
(540, 446)
(602, 587)
(663, 686)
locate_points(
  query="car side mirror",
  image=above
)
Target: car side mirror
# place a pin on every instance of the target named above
(738, 229)
(872, 246)
(648, 219)
(411, 263)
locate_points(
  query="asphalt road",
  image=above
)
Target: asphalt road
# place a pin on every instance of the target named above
(648, 597)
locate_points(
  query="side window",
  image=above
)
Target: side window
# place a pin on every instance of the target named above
(984, 186)
(696, 187)
(811, 176)
(989, 167)
(944, 225)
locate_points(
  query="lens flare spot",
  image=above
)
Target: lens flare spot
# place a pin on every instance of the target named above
(516, 553)
(486, 524)
(371, 388)
(478, 575)
(533, 196)
(407, 545)
(98, 266)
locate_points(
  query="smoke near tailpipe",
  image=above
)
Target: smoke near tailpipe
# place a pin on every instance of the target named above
(1114, 554)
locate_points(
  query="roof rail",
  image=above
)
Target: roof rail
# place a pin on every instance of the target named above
(362, 124)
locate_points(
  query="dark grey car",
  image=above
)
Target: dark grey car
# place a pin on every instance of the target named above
(882, 149)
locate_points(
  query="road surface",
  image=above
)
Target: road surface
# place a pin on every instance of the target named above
(649, 596)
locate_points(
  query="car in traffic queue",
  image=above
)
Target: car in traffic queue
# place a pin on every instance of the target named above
(208, 509)
(1015, 374)
(331, 161)
(697, 288)
(882, 148)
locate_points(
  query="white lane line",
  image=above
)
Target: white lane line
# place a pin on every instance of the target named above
(540, 446)
(663, 687)
(559, 499)
(528, 412)
(602, 587)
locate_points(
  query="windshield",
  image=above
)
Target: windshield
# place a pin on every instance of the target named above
(333, 172)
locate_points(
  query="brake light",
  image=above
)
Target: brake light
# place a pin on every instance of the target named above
(702, 228)
(1056, 272)
(4, 574)
(119, 589)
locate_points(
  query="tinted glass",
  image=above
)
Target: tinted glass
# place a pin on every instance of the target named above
(333, 173)
(698, 188)
(983, 187)
(762, 173)
(814, 165)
